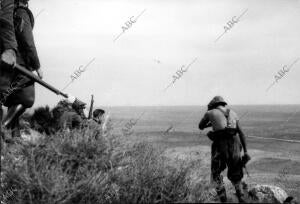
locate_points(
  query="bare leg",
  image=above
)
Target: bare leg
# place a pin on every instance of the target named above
(239, 191)
(13, 113)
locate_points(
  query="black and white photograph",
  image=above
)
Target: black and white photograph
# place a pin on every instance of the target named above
(149, 101)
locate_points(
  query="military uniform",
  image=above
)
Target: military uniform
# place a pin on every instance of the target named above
(7, 39)
(23, 93)
(26, 56)
(226, 147)
(7, 42)
(70, 120)
(69, 115)
(7, 32)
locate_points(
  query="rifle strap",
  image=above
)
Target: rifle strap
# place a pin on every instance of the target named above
(226, 114)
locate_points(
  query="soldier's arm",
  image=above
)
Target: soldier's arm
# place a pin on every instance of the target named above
(8, 43)
(242, 137)
(7, 31)
(25, 38)
(204, 123)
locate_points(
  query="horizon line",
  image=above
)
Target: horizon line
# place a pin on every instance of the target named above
(199, 105)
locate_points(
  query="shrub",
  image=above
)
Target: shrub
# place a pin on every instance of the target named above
(88, 166)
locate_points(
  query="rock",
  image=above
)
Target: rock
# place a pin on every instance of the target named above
(267, 194)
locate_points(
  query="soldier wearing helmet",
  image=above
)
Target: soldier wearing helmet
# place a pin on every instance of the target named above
(228, 140)
(69, 115)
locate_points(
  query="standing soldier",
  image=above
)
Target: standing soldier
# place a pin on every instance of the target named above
(8, 46)
(226, 146)
(23, 94)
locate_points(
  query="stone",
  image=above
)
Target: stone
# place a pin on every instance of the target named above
(267, 194)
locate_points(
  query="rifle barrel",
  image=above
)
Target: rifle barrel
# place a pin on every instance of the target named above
(32, 76)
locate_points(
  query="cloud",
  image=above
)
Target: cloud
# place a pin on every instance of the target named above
(240, 65)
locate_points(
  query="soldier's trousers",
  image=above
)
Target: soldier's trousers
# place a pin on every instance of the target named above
(15, 88)
(226, 152)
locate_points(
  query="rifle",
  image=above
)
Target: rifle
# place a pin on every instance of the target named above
(35, 78)
(244, 161)
(91, 107)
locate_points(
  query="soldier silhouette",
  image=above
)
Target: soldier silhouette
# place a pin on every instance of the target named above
(8, 47)
(23, 95)
(228, 140)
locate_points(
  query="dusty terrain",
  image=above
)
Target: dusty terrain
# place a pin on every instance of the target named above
(273, 161)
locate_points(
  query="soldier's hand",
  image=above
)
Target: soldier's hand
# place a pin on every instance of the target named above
(40, 73)
(9, 57)
(247, 156)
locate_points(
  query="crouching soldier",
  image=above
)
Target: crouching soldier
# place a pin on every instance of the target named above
(21, 93)
(99, 121)
(69, 115)
(228, 139)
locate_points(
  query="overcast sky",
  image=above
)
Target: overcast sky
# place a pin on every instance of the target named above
(138, 66)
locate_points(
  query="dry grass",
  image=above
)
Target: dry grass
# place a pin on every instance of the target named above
(87, 166)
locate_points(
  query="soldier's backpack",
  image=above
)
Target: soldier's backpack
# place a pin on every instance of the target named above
(229, 130)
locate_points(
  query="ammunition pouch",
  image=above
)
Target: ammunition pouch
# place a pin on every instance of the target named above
(231, 131)
(211, 135)
(222, 134)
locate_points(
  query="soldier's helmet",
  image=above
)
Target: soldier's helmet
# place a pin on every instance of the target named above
(77, 105)
(21, 1)
(217, 100)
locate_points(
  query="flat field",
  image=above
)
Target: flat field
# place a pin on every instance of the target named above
(273, 136)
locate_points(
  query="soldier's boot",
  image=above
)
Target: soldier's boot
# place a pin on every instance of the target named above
(239, 192)
(221, 191)
(13, 114)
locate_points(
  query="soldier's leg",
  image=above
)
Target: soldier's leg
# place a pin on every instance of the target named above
(24, 93)
(217, 166)
(13, 112)
(1, 116)
(12, 119)
(6, 77)
(235, 168)
(22, 98)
